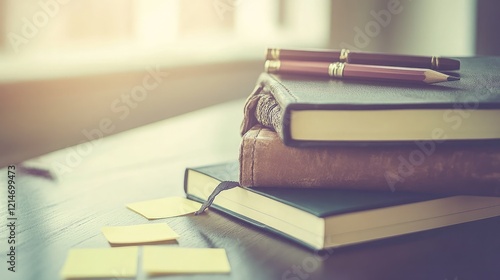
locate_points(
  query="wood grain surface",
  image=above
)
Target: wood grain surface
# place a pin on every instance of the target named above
(55, 215)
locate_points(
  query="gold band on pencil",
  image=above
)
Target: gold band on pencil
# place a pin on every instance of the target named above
(275, 54)
(272, 66)
(336, 69)
(344, 54)
(434, 62)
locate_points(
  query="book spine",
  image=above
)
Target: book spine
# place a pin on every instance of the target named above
(472, 169)
(264, 106)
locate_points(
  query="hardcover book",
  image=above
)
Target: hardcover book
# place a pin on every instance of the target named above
(312, 111)
(423, 167)
(327, 218)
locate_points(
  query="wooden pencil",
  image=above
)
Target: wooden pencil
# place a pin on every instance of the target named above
(357, 71)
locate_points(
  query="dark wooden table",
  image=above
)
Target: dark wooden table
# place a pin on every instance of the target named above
(93, 182)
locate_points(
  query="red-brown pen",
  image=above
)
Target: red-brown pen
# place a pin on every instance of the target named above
(357, 71)
(369, 58)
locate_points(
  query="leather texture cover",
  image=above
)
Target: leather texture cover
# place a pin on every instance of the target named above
(421, 167)
(276, 95)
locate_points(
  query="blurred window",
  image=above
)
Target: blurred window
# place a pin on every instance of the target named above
(113, 34)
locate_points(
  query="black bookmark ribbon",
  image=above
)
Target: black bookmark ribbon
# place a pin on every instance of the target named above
(224, 185)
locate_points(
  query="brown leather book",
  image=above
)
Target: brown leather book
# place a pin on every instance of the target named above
(425, 166)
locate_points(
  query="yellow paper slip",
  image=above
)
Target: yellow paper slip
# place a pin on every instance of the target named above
(101, 263)
(137, 234)
(158, 260)
(164, 207)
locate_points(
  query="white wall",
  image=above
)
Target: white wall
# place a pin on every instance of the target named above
(423, 27)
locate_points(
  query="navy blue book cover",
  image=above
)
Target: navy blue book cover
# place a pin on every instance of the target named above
(319, 202)
(478, 89)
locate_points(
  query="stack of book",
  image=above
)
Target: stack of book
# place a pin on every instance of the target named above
(334, 162)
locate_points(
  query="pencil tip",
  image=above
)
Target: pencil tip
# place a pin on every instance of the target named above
(453, 78)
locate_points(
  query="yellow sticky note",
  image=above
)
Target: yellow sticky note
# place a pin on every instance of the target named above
(165, 207)
(136, 234)
(101, 263)
(159, 260)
